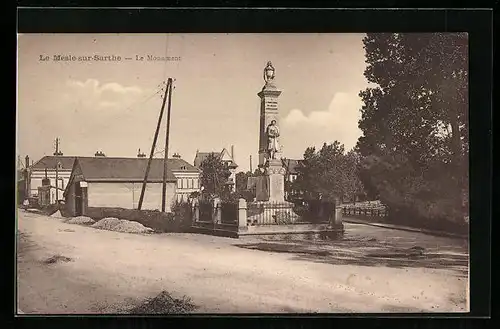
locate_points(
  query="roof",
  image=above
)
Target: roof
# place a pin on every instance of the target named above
(291, 165)
(201, 156)
(129, 169)
(50, 162)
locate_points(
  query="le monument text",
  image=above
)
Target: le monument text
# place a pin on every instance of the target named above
(106, 58)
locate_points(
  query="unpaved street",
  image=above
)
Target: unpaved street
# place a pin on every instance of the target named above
(111, 271)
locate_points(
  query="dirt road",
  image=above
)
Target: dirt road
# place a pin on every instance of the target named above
(108, 272)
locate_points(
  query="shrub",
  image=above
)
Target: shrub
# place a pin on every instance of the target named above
(428, 197)
(300, 209)
(158, 221)
(182, 216)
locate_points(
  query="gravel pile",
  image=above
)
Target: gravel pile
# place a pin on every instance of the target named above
(121, 225)
(165, 304)
(108, 223)
(82, 220)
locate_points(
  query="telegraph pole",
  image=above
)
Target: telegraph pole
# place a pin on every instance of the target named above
(141, 198)
(57, 170)
(165, 159)
(251, 164)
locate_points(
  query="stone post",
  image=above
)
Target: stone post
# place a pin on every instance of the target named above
(196, 210)
(242, 215)
(337, 218)
(217, 218)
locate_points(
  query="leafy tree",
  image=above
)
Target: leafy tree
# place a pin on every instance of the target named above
(328, 173)
(353, 186)
(214, 175)
(242, 180)
(415, 121)
(241, 190)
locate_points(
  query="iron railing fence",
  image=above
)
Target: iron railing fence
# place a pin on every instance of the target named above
(286, 213)
(206, 211)
(367, 212)
(228, 212)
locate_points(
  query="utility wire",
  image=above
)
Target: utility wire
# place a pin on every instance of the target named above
(122, 114)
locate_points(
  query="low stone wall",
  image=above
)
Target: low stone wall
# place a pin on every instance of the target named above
(225, 230)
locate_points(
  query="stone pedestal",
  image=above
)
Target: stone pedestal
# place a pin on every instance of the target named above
(271, 185)
(276, 178)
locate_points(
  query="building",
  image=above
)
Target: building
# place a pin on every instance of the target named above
(117, 182)
(290, 166)
(291, 173)
(47, 195)
(46, 168)
(226, 157)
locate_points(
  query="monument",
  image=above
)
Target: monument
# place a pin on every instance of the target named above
(271, 184)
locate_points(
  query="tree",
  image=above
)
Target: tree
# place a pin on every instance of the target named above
(328, 173)
(214, 175)
(353, 186)
(414, 122)
(242, 180)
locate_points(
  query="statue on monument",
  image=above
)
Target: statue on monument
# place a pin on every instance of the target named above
(269, 72)
(273, 133)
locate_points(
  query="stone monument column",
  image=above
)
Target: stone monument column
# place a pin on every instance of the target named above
(268, 111)
(271, 184)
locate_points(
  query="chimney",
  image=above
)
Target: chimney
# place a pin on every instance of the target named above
(46, 180)
(99, 154)
(176, 155)
(232, 152)
(27, 161)
(140, 155)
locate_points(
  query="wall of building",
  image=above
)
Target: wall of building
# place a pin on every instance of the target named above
(126, 195)
(36, 177)
(187, 183)
(70, 200)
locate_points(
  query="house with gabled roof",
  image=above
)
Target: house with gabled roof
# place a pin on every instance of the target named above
(291, 174)
(109, 182)
(46, 168)
(225, 156)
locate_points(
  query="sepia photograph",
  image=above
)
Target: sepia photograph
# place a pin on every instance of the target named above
(221, 173)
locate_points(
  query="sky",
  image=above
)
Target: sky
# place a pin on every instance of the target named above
(113, 106)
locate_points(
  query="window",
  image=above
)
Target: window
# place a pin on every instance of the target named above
(190, 181)
(179, 183)
(195, 183)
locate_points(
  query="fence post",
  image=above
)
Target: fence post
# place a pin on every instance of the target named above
(196, 210)
(337, 216)
(242, 215)
(217, 218)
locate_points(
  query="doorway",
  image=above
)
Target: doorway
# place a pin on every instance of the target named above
(78, 200)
